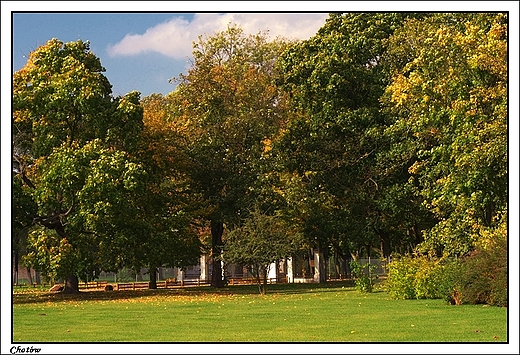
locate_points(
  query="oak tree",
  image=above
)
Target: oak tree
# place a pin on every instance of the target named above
(230, 106)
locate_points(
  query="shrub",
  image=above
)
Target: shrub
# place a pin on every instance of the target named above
(480, 277)
(449, 282)
(417, 277)
(483, 276)
(400, 280)
(364, 277)
(428, 276)
(125, 275)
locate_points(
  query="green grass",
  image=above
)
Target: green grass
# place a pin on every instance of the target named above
(333, 312)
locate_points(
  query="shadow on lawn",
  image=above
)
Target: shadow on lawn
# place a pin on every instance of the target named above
(45, 296)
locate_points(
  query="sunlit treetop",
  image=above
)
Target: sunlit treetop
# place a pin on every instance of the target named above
(63, 92)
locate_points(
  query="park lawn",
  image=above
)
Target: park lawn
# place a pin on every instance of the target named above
(288, 313)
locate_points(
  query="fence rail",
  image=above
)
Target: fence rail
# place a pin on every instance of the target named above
(160, 284)
(171, 277)
(92, 284)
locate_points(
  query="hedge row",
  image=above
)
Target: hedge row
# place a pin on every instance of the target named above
(479, 278)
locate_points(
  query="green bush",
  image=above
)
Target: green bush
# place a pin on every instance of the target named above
(479, 278)
(125, 275)
(400, 281)
(449, 282)
(364, 277)
(483, 277)
(428, 277)
(419, 277)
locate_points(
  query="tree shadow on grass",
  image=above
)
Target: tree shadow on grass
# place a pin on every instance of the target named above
(279, 289)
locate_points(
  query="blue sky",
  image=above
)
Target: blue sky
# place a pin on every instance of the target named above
(141, 51)
(147, 73)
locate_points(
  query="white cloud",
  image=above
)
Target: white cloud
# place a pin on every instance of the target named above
(174, 38)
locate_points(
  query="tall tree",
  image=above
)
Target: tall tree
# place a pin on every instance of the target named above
(72, 148)
(335, 80)
(448, 100)
(168, 204)
(230, 106)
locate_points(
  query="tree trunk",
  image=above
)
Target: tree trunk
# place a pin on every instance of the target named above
(153, 278)
(385, 243)
(256, 271)
(29, 275)
(71, 284)
(15, 273)
(264, 284)
(488, 214)
(217, 228)
(417, 233)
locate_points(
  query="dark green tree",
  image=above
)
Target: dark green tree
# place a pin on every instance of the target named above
(335, 80)
(259, 241)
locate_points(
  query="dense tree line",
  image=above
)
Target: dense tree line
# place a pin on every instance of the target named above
(383, 133)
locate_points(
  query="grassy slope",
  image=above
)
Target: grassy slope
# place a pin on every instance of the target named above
(288, 313)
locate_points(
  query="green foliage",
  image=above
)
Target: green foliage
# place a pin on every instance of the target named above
(230, 108)
(483, 276)
(400, 280)
(330, 146)
(480, 277)
(172, 239)
(427, 279)
(23, 208)
(364, 276)
(125, 275)
(447, 102)
(101, 202)
(260, 241)
(62, 91)
(93, 189)
(417, 277)
(382, 129)
(337, 68)
(50, 255)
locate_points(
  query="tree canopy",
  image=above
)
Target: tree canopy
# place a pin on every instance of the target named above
(448, 103)
(382, 133)
(80, 183)
(230, 106)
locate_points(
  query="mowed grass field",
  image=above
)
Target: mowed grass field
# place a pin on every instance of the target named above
(334, 312)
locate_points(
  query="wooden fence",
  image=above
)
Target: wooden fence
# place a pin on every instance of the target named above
(92, 285)
(170, 283)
